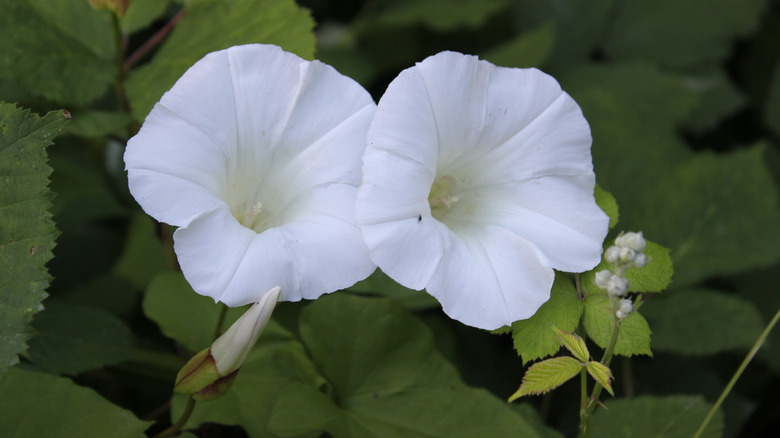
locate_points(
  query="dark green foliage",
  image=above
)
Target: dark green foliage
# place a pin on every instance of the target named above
(26, 230)
(683, 101)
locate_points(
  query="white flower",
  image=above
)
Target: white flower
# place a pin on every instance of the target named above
(477, 182)
(255, 154)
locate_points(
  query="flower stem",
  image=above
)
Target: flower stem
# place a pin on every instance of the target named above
(220, 320)
(583, 390)
(738, 373)
(154, 40)
(121, 73)
(608, 353)
(183, 419)
(191, 401)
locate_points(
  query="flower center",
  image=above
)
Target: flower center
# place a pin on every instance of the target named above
(254, 217)
(441, 198)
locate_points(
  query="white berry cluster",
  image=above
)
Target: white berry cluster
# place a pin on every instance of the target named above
(627, 252)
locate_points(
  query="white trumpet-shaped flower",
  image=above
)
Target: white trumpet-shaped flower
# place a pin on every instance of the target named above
(255, 155)
(477, 182)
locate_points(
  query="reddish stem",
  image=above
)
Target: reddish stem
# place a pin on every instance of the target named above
(154, 40)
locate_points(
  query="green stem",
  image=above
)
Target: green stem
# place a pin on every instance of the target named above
(608, 353)
(220, 320)
(738, 373)
(183, 419)
(121, 73)
(583, 390)
(191, 401)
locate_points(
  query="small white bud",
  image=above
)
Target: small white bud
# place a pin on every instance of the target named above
(602, 278)
(625, 308)
(612, 255)
(626, 256)
(632, 240)
(640, 260)
(617, 286)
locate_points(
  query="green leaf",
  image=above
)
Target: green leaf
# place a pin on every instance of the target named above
(144, 255)
(528, 49)
(533, 338)
(380, 284)
(42, 406)
(717, 213)
(97, 123)
(601, 374)
(772, 113)
(212, 25)
(655, 417)
(547, 375)
(636, 33)
(634, 335)
(573, 343)
(531, 414)
(26, 230)
(719, 98)
(575, 39)
(655, 276)
(702, 322)
(182, 314)
(388, 379)
(441, 15)
(73, 338)
(141, 13)
(608, 204)
(60, 50)
(633, 145)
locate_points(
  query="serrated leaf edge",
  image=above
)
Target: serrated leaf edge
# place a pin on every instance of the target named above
(538, 371)
(574, 343)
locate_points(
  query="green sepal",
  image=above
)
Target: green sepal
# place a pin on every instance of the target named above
(216, 389)
(573, 343)
(200, 378)
(198, 373)
(547, 375)
(601, 373)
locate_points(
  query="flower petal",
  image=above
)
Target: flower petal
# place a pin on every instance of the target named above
(556, 214)
(456, 86)
(233, 264)
(394, 188)
(173, 162)
(490, 280)
(408, 250)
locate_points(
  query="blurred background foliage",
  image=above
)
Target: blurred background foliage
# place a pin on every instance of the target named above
(683, 99)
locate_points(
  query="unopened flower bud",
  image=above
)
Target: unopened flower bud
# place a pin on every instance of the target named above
(625, 308)
(626, 256)
(632, 240)
(602, 278)
(612, 255)
(210, 373)
(640, 260)
(617, 286)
